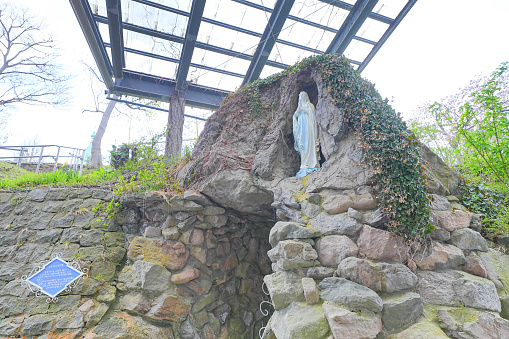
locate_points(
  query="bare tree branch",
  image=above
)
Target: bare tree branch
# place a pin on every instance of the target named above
(106, 107)
(29, 72)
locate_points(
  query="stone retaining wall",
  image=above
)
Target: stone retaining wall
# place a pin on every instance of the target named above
(162, 267)
(184, 267)
(336, 273)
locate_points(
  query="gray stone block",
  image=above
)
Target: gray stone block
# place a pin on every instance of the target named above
(401, 310)
(37, 324)
(378, 276)
(284, 288)
(300, 321)
(468, 239)
(291, 230)
(353, 296)
(340, 224)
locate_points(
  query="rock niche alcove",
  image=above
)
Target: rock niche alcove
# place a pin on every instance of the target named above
(193, 266)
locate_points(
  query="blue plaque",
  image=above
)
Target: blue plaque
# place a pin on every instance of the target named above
(54, 277)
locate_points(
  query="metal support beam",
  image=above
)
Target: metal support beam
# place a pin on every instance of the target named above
(114, 12)
(83, 13)
(193, 26)
(240, 29)
(157, 88)
(303, 21)
(351, 25)
(274, 26)
(387, 33)
(348, 7)
(175, 38)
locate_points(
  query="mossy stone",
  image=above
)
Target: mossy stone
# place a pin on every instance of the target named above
(422, 330)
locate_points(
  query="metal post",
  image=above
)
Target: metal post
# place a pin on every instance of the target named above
(20, 155)
(71, 163)
(56, 160)
(40, 159)
(76, 159)
(82, 160)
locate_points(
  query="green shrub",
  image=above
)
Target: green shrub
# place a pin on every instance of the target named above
(490, 202)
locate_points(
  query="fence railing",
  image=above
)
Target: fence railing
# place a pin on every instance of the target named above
(76, 156)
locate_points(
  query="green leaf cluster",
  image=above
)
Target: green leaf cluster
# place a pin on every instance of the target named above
(469, 130)
(472, 129)
(485, 136)
(147, 170)
(491, 204)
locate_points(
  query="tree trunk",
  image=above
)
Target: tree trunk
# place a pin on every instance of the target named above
(173, 145)
(96, 161)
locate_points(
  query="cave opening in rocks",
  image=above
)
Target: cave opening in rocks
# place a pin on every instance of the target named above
(322, 158)
(312, 90)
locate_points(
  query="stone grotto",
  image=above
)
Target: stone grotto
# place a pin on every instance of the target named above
(198, 265)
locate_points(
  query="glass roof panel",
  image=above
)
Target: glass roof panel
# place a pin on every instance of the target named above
(183, 5)
(320, 12)
(213, 79)
(372, 29)
(268, 70)
(218, 60)
(153, 18)
(152, 45)
(287, 54)
(104, 31)
(306, 35)
(389, 8)
(145, 64)
(236, 14)
(358, 50)
(227, 38)
(98, 7)
(173, 16)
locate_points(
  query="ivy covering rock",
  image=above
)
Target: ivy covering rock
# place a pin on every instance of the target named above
(252, 131)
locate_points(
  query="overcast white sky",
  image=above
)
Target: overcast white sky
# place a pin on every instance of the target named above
(437, 49)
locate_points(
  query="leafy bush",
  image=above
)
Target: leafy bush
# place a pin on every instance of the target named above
(469, 129)
(118, 157)
(147, 170)
(491, 203)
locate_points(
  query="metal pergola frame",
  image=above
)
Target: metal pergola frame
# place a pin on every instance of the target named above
(122, 81)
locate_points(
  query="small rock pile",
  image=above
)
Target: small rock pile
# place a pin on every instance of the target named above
(337, 273)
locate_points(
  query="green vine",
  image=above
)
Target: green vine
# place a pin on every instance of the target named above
(389, 147)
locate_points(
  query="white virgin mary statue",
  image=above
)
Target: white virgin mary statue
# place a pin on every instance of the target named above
(305, 133)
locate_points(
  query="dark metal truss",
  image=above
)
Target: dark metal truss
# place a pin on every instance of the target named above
(114, 11)
(120, 80)
(268, 39)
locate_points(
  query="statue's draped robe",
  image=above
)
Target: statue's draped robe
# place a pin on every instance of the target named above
(305, 132)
